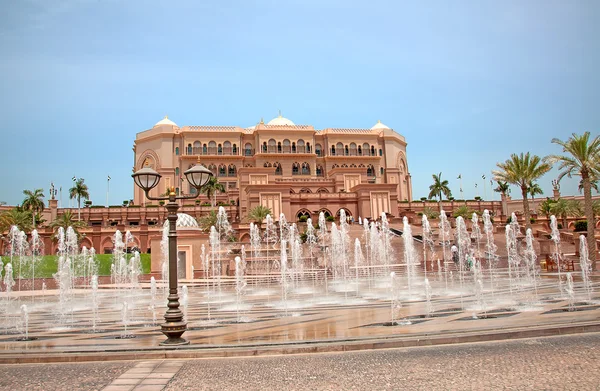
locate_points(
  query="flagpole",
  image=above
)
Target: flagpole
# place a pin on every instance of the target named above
(107, 189)
(484, 187)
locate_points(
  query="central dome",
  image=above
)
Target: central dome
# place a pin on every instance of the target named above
(281, 121)
(184, 221)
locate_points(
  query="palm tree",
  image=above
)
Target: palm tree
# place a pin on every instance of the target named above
(583, 160)
(15, 216)
(565, 208)
(33, 202)
(258, 214)
(593, 184)
(211, 188)
(521, 170)
(438, 188)
(208, 220)
(463, 211)
(502, 188)
(545, 207)
(79, 191)
(65, 221)
(534, 189)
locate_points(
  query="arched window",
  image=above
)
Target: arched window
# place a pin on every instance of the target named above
(339, 149)
(361, 165)
(322, 190)
(227, 148)
(197, 148)
(346, 151)
(231, 170)
(373, 150)
(366, 149)
(344, 166)
(272, 146)
(381, 170)
(212, 148)
(359, 150)
(279, 147)
(352, 149)
(212, 168)
(326, 212)
(305, 190)
(332, 150)
(248, 165)
(308, 148)
(248, 149)
(287, 146)
(220, 149)
(204, 149)
(176, 191)
(353, 166)
(380, 152)
(319, 170)
(278, 170)
(334, 166)
(189, 149)
(295, 168)
(370, 170)
(234, 150)
(222, 170)
(302, 212)
(176, 171)
(264, 147)
(267, 164)
(177, 151)
(301, 148)
(305, 168)
(318, 148)
(293, 147)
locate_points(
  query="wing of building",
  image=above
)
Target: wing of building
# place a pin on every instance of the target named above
(293, 169)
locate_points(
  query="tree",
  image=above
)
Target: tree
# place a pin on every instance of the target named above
(463, 211)
(79, 191)
(545, 207)
(258, 214)
(534, 189)
(65, 221)
(596, 207)
(438, 188)
(211, 188)
(33, 202)
(565, 208)
(582, 159)
(16, 216)
(502, 188)
(521, 170)
(593, 184)
(208, 220)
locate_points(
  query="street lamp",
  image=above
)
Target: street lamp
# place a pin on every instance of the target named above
(147, 179)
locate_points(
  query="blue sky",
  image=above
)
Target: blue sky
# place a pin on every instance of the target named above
(466, 82)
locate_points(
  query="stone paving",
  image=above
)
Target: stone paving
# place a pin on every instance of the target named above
(549, 363)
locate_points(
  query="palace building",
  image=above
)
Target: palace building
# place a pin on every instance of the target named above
(292, 169)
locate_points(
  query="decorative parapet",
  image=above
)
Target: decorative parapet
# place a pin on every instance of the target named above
(212, 129)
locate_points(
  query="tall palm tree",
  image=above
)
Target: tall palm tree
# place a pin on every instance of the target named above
(258, 214)
(593, 184)
(582, 159)
(521, 170)
(502, 188)
(211, 188)
(438, 188)
(565, 208)
(545, 207)
(534, 188)
(79, 191)
(15, 216)
(65, 221)
(33, 202)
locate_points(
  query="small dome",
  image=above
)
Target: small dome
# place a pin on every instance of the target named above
(165, 121)
(379, 125)
(281, 121)
(251, 127)
(184, 220)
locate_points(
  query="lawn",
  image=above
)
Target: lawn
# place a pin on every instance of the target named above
(47, 265)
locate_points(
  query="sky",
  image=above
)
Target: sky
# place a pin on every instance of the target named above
(466, 82)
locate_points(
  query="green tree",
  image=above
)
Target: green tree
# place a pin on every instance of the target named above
(208, 220)
(464, 211)
(545, 207)
(258, 214)
(565, 208)
(33, 202)
(211, 188)
(16, 216)
(534, 189)
(593, 184)
(79, 191)
(596, 207)
(438, 188)
(502, 188)
(65, 221)
(582, 159)
(521, 170)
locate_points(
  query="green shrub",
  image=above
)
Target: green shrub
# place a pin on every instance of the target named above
(330, 218)
(115, 206)
(423, 199)
(303, 219)
(477, 198)
(581, 225)
(232, 202)
(161, 203)
(151, 206)
(97, 206)
(559, 226)
(531, 220)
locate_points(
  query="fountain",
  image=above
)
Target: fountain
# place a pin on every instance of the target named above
(570, 291)
(586, 267)
(410, 255)
(490, 246)
(95, 303)
(428, 304)
(531, 265)
(444, 235)
(184, 301)
(240, 285)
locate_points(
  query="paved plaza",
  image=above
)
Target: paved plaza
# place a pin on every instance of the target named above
(550, 363)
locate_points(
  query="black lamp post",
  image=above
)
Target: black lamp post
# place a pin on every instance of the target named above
(147, 179)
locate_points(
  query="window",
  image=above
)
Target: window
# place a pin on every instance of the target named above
(264, 147)
(177, 151)
(278, 170)
(220, 149)
(189, 149)
(279, 147)
(346, 152)
(301, 148)
(222, 170)
(332, 150)
(176, 191)
(305, 169)
(293, 147)
(318, 149)
(366, 148)
(372, 150)
(192, 190)
(177, 171)
(212, 168)
(381, 170)
(319, 171)
(204, 149)
(248, 149)
(231, 170)
(212, 148)
(359, 150)
(295, 168)
(380, 152)
(370, 170)
(227, 148)
(234, 149)
(267, 164)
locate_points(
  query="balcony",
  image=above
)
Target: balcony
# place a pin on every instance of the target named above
(213, 151)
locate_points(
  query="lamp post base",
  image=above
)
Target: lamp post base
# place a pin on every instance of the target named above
(174, 331)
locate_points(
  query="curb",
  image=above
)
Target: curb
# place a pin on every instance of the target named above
(200, 351)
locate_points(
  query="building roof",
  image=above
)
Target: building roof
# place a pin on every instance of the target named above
(165, 121)
(184, 220)
(280, 121)
(379, 125)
